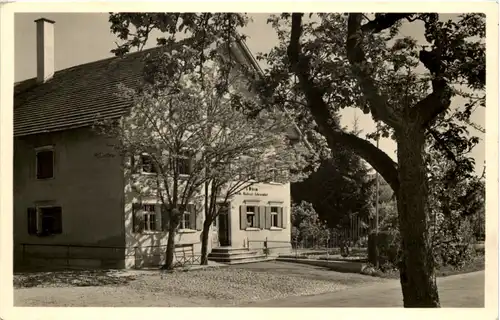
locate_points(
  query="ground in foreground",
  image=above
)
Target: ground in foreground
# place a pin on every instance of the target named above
(267, 284)
(226, 286)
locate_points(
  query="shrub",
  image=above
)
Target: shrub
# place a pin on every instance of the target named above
(388, 248)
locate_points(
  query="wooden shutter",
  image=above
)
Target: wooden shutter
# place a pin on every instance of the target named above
(192, 215)
(57, 212)
(268, 217)
(32, 225)
(284, 220)
(199, 219)
(158, 223)
(135, 163)
(165, 217)
(243, 217)
(138, 217)
(262, 217)
(280, 217)
(190, 162)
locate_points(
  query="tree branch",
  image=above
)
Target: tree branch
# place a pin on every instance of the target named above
(379, 106)
(385, 21)
(379, 160)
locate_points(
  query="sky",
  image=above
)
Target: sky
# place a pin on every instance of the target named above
(86, 37)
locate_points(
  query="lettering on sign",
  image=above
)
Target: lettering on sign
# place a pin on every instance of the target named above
(252, 191)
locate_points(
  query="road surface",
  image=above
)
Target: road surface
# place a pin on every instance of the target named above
(464, 290)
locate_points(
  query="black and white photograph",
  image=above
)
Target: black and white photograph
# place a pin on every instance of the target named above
(273, 159)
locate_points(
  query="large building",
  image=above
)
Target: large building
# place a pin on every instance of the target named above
(71, 204)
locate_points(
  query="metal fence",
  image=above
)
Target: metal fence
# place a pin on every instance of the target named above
(82, 256)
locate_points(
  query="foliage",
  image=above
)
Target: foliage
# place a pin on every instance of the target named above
(307, 224)
(339, 188)
(388, 243)
(457, 209)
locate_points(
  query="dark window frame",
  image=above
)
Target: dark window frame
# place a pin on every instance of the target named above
(41, 216)
(42, 174)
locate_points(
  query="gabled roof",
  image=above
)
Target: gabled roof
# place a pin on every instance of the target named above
(76, 97)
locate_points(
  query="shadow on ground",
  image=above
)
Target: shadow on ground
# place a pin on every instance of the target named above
(69, 278)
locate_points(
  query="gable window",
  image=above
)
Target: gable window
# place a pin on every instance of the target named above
(149, 213)
(146, 164)
(251, 219)
(44, 221)
(274, 217)
(45, 163)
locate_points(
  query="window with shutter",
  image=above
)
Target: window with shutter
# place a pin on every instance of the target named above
(50, 220)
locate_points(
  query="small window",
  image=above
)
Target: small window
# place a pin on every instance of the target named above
(274, 217)
(45, 164)
(146, 163)
(251, 220)
(183, 166)
(186, 220)
(45, 221)
(149, 217)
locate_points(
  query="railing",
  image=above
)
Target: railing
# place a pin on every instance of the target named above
(107, 254)
(266, 244)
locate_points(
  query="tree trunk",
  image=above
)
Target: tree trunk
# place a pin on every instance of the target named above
(204, 241)
(418, 280)
(169, 263)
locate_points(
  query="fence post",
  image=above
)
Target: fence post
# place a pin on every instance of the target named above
(135, 257)
(67, 256)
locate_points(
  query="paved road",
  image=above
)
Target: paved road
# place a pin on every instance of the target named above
(465, 290)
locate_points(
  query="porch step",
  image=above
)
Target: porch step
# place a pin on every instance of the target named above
(233, 254)
(239, 259)
(230, 250)
(228, 255)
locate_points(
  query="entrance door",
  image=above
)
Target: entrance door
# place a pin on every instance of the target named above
(223, 227)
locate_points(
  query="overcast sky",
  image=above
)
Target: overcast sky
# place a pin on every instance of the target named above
(85, 37)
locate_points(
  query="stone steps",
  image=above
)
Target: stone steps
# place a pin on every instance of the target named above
(231, 256)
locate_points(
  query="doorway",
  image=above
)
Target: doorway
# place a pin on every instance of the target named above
(223, 227)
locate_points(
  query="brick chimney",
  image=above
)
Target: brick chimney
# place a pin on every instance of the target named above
(44, 49)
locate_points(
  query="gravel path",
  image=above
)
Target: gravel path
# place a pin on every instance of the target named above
(210, 287)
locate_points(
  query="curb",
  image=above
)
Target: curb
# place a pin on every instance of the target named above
(339, 266)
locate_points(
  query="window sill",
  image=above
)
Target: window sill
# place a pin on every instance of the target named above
(148, 174)
(44, 179)
(252, 229)
(151, 232)
(275, 229)
(186, 231)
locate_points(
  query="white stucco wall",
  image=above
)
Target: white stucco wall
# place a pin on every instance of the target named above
(266, 195)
